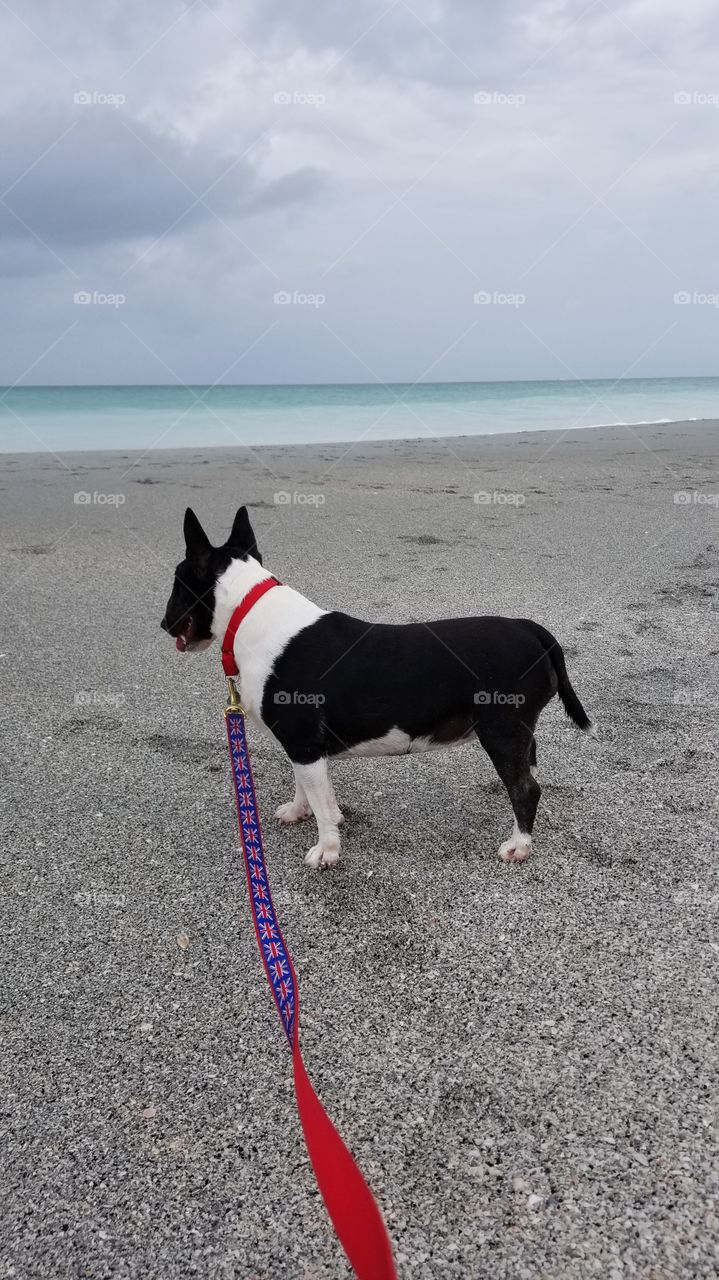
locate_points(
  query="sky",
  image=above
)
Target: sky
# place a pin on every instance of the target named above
(311, 191)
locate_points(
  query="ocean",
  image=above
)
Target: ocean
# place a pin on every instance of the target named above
(151, 417)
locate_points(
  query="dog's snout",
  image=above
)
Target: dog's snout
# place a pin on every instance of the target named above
(164, 625)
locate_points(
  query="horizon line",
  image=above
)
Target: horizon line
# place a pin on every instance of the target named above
(452, 382)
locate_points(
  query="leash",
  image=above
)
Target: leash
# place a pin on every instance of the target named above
(351, 1206)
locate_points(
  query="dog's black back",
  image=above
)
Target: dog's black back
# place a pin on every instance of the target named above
(343, 682)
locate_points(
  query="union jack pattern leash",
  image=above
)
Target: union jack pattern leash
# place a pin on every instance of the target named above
(351, 1206)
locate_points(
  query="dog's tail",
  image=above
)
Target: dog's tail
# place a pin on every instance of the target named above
(567, 696)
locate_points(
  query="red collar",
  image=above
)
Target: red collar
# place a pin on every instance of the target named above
(246, 603)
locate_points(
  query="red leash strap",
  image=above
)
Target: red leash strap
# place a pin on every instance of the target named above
(356, 1219)
(229, 665)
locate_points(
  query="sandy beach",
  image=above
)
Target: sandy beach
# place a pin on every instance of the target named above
(523, 1059)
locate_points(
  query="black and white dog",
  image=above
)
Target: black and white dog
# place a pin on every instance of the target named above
(329, 685)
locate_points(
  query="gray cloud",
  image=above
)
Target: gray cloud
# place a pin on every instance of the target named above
(346, 154)
(95, 177)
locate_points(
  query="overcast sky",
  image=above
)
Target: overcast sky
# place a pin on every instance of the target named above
(148, 156)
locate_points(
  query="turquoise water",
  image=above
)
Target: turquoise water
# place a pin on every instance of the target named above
(62, 418)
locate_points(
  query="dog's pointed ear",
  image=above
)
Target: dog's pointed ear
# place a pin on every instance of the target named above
(197, 542)
(242, 538)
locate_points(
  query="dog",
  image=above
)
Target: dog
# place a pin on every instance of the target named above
(330, 686)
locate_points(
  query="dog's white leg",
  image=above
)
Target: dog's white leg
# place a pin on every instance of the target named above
(315, 782)
(518, 848)
(297, 809)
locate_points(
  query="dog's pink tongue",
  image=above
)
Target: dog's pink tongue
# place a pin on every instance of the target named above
(181, 644)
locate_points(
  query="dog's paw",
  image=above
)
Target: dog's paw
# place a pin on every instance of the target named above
(516, 849)
(326, 853)
(292, 812)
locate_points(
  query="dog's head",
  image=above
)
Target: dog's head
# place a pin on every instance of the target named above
(191, 607)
